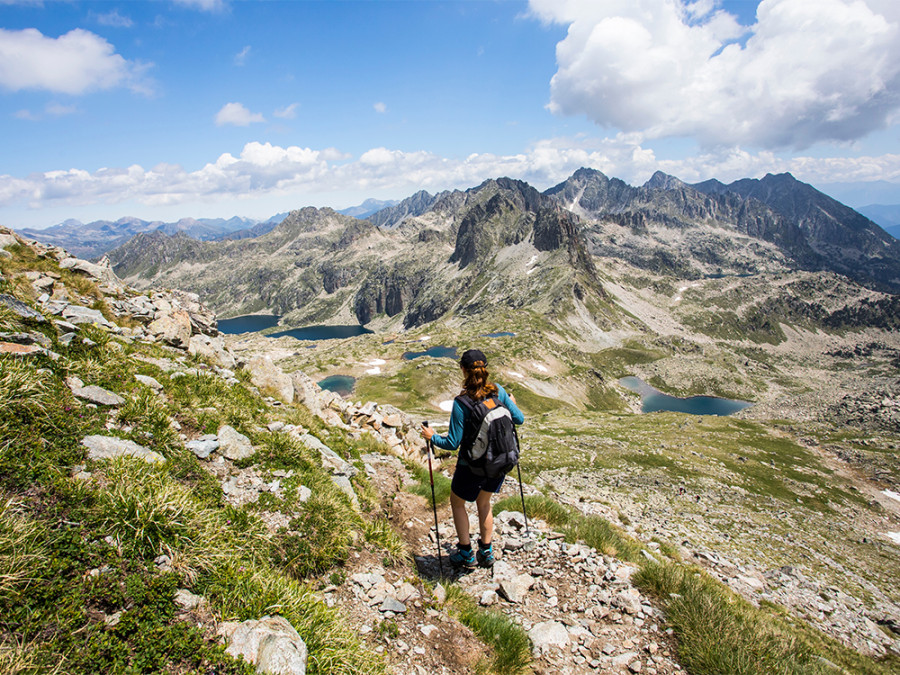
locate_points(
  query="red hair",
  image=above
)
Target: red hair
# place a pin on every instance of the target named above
(476, 382)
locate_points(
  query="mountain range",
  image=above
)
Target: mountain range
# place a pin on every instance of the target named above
(504, 244)
(92, 240)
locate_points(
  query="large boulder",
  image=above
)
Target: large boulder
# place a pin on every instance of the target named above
(173, 328)
(269, 377)
(77, 314)
(233, 444)
(83, 266)
(212, 348)
(271, 644)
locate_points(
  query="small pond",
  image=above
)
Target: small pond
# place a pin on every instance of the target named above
(437, 352)
(500, 334)
(322, 332)
(249, 323)
(339, 384)
(654, 401)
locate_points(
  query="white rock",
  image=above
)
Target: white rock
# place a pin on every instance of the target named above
(548, 634)
(149, 382)
(234, 445)
(271, 644)
(108, 447)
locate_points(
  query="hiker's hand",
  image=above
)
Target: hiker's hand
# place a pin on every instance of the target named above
(427, 432)
(512, 397)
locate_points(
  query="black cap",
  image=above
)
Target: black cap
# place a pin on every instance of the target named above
(473, 358)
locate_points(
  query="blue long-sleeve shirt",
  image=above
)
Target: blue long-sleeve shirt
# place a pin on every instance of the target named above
(454, 435)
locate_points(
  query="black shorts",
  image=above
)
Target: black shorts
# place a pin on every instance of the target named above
(467, 485)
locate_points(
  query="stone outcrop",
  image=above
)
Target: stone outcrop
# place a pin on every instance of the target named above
(268, 377)
(271, 644)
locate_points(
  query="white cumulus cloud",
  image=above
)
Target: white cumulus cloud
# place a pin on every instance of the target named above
(264, 170)
(74, 63)
(380, 107)
(235, 114)
(807, 71)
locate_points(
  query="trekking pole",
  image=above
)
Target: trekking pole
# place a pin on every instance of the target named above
(437, 533)
(521, 490)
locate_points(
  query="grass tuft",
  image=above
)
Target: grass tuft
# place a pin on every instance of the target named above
(512, 648)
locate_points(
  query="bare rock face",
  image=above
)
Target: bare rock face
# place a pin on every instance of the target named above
(173, 328)
(307, 392)
(271, 644)
(266, 375)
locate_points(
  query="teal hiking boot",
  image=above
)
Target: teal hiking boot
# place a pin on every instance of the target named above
(463, 558)
(485, 555)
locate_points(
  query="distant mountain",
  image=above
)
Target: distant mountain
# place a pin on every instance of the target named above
(886, 215)
(392, 216)
(368, 207)
(256, 231)
(845, 240)
(92, 240)
(696, 229)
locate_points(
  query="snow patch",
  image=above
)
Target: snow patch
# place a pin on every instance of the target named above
(894, 537)
(425, 339)
(376, 362)
(515, 374)
(891, 494)
(528, 272)
(541, 368)
(446, 406)
(374, 371)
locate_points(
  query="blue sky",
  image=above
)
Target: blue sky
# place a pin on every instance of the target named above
(210, 108)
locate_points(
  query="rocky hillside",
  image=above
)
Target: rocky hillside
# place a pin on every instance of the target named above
(168, 501)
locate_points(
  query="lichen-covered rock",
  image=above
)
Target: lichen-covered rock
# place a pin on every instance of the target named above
(271, 644)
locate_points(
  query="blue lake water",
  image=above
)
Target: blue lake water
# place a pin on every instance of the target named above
(437, 352)
(249, 323)
(501, 334)
(654, 400)
(322, 332)
(339, 384)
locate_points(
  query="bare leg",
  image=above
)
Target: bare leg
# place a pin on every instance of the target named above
(485, 516)
(460, 518)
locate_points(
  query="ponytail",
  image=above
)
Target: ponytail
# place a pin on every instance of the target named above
(476, 382)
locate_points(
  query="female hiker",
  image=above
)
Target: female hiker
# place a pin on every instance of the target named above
(466, 485)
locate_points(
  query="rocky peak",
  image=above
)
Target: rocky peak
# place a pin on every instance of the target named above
(663, 181)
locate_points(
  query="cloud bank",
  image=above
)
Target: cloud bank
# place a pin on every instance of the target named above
(263, 169)
(807, 71)
(74, 63)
